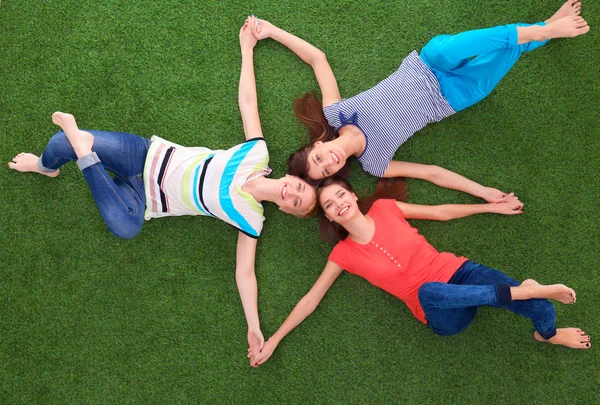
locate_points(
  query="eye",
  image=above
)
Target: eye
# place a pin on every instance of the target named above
(318, 158)
(327, 172)
(299, 186)
(342, 194)
(296, 203)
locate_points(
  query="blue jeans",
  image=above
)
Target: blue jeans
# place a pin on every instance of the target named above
(451, 307)
(121, 200)
(469, 65)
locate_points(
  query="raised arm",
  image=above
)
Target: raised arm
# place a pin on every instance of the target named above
(444, 178)
(308, 53)
(447, 212)
(301, 311)
(247, 99)
(248, 288)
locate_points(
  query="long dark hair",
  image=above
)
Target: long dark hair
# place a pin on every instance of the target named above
(392, 188)
(309, 111)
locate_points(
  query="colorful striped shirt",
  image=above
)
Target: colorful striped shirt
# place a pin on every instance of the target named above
(199, 181)
(392, 111)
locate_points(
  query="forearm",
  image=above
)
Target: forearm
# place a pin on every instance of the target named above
(248, 290)
(305, 51)
(301, 311)
(448, 179)
(247, 89)
(454, 211)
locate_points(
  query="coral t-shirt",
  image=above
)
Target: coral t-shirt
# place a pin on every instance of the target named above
(397, 260)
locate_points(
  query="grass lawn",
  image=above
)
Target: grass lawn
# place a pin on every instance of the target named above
(89, 318)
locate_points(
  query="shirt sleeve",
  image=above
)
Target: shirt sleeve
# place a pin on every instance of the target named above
(339, 255)
(332, 115)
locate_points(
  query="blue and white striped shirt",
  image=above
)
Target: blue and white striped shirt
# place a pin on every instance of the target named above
(392, 111)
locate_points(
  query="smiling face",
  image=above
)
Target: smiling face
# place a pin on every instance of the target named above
(325, 159)
(338, 203)
(295, 196)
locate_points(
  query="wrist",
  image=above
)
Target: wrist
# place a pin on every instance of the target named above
(247, 51)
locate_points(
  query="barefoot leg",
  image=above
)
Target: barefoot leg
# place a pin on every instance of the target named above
(27, 162)
(569, 8)
(81, 141)
(574, 338)
(530, 289)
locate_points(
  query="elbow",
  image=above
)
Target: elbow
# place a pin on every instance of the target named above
(319, 58)
(433, 173)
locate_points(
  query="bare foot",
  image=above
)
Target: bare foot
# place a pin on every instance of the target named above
(567, 27)
(27, 162)
(81, 141)
(574, 338)
(570, 8)
(532, 289)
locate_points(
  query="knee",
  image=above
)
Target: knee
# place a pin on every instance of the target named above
(124, 233)
(428, 292)
(127, 228)
(541, 309)
(432, 53)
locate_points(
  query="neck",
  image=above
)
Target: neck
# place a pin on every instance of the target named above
(261, 189)
(352, 140)
(360, 229)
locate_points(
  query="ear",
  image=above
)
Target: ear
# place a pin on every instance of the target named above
(355, 197)
(330, 220)
(317, 143)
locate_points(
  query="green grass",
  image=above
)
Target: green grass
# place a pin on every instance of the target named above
(88, 318)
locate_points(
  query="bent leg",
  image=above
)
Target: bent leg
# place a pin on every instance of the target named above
(448, 52)
(121, 201)
(539, 311)
(121, 153)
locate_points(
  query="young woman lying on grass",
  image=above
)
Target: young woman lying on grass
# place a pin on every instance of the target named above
(375, 241)
(157, 178)
(451, 73)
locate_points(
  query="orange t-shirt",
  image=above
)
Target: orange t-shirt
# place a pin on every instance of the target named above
(397, 260)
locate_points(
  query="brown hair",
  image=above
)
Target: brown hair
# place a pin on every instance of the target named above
(309, 111)
(389, 188)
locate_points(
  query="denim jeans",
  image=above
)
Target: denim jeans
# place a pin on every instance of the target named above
(121, 200)
(450, 307)
(469, 65)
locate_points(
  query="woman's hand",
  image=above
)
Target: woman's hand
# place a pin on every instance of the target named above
(258, 357)
(511, 206)
(247, 39)
(255, 339)
(261, 29)
(493, 195)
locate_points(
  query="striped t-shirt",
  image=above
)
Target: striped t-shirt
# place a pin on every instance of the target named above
(392, 111)
(199, 181)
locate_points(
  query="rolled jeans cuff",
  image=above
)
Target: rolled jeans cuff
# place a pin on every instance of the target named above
(88, 160)
(503, 294)
(44, 169)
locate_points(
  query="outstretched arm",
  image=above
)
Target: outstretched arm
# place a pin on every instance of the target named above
(308, 53)
(444, 178)
(447, 212)
(301, 311)
(247, 99)
(247, 287)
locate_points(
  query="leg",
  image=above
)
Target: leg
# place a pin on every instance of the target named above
(529, 299)
(121, 201)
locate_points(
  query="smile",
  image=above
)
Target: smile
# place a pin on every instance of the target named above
(283, 191)
(335, 158)
(343, 210)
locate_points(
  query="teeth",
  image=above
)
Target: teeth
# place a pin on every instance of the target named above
(335, 157)
(343, 210)
(284, 191)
